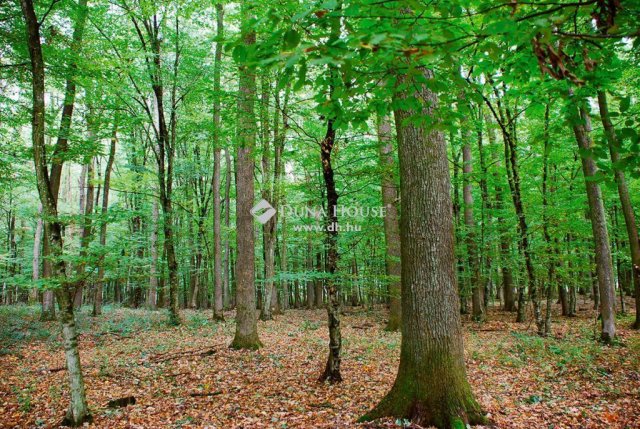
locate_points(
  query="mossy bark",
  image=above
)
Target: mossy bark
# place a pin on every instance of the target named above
(431, 387)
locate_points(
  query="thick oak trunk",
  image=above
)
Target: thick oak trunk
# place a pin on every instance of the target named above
(431, 387)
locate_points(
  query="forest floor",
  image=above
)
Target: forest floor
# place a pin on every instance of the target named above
(187, 377)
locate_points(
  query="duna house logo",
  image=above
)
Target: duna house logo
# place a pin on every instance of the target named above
(267, 211)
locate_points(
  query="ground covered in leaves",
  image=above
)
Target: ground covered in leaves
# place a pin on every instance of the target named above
(187, 377)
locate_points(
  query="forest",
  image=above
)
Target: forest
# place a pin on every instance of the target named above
(319, 214)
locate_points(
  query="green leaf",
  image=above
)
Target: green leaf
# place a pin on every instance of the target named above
(625, 103)
(291, 39)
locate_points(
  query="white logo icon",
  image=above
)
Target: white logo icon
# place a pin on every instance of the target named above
(268, 213)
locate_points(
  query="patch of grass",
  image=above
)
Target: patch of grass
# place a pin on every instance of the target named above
(20, 324)
(308, 325)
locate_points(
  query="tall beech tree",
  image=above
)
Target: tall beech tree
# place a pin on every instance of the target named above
(581, 124)
(431, 387)
(78, 411)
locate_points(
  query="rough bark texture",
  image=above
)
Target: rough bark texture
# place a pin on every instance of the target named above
(581, 124)
(218, 302)
(431, 387)
(625, 200)
(391, 226)
(246, 335)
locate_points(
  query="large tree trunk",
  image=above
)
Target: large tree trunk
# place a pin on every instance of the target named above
(78, 412)
(431, 387)
(581, 124)
(625, 200)
(246, 335)
(97, 299)
(391, 227)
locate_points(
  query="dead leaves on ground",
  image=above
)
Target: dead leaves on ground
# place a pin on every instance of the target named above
(187, 377)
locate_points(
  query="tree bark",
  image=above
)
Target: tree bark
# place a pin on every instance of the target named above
(331, 371)
(390, 198)
(228, 295)
(246, 335)
(152, 296)
(581, 124)
(508, 126)
(218, 302)
(431, 387)
(78, 412)
(477, 310)
(625, 200)
(97, 299)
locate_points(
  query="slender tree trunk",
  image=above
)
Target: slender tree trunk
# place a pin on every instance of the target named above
(37, 249)
(477, 310)
(268, 194)
(218, 295)
(318, 283)
(507, 276)
(625, 200)
(551, 278)
(331, 371)
(246, 335)
(391, 227)
(581, 124)
(228, 295)
(97, 299)
(284, 265)
(78, 412)
(508, 126)
(152, 296)
(431, 388)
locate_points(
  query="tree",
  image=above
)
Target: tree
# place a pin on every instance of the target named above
(218, 303)
(78, 411)
(391, 227)
(581, 124)
(623, 194)
(246, 336)
(431, 386)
